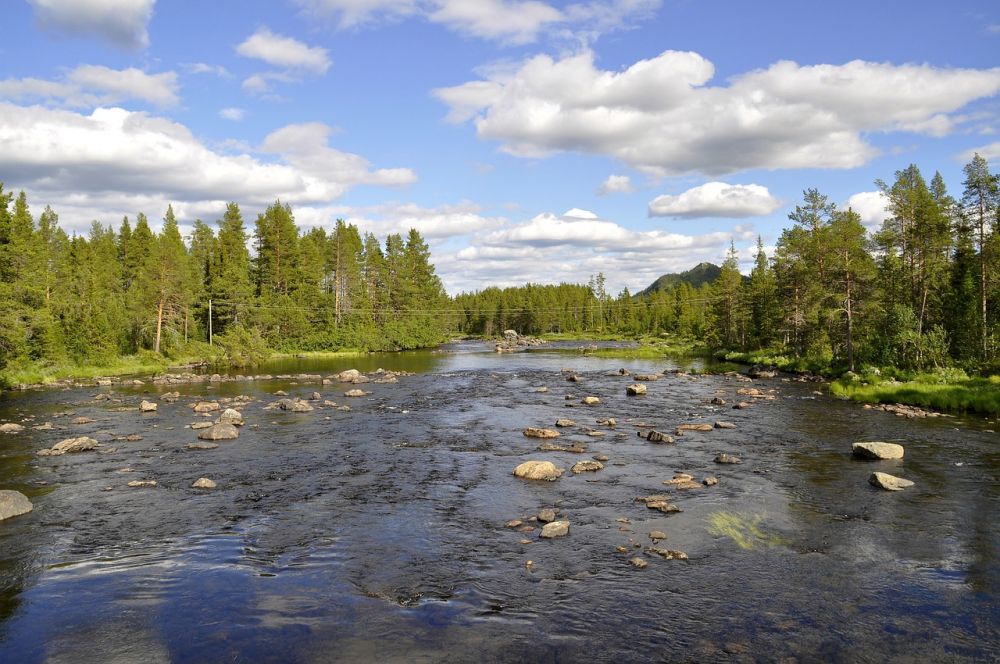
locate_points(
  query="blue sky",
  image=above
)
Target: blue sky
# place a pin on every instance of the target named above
(528, 140)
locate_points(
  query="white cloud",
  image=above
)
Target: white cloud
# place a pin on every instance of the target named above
(511, 21)
(61, 156)
(664, 117)
(871, 207)
(231, 113)
(716, 199)
(122, 22)
(989, 152)
(616, 184)
(95, 85)
(203, 68)
(285, 52)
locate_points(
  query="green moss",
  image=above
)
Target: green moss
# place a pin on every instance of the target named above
(745, 530)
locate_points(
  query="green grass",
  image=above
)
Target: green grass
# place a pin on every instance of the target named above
(319, 354)
(781, 362)
(949, 391)
(39, 373)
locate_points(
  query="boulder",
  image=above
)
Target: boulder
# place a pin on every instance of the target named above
(13, 503)
(659, 502)
(741, 405)
(542, 389)
(220, 432)
(231, 416)
(532, 432)
(147, 406)
(348, 376)
(877, 450)
(355, 393)
(294, 406)
(574, 378)
(682, 481)
(590, 401)
(656, 437)
(647, 377)
(563, 422)
(315, 396)
(694, 427)
(587, 466)
(143, 484)
(725, 425)
(555, 529)
(10, 427)
(716, 401)
(202, 446)
(638, 563)
(538, 470)
(710, 481)
(203, 483)
(727, 458)
(657, 535)
(72, 445)
(201, 425)
(206, 407)
(81, 420)
(170, 397)
(889, 482)
(607, 421)
(547, 515)
(635, 390)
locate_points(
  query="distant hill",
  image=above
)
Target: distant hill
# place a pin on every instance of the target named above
(700, 274)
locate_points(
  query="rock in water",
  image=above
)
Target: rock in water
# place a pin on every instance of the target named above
(538, 470)
(82, 444)
(203, 483)
(143, 484)
(231, 416)
(355, 393)
(725, 425)
(147, 406)
(638, 563)
(220, 432)
(201, 425)
(532, 432)
(889, 482)
(206, 406)
(694, 427)
(727, 458)
(13, 503)
(657, 437)
(635, 390)
(590, 401)
(587, 466)
(877, 450)
(202, 446)
(294, 406)
(555, 529)
(547, 515)
(563, 422)
(348, 376)
(10, 427)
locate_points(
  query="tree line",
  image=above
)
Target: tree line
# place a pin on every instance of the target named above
(114, 292)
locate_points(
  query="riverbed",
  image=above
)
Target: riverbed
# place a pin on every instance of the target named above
(380, 533)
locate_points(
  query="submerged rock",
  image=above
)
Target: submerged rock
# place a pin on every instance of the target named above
(563, 422)
(590, 401)
(657, 535)
(725, 425)
(635, 390)
(587, 466)
(147, 406)
(638, 563)
(142, 484)
(889, 482)
(202, 446)
(727, 458)
(355, 393)
(81, 420)
(348, 376)
(555, 529)
(220, 432)
(694, 427)
(206, 407)
(877, 450)
(656, 436)
(203, 483)
(10, 427)
(201, 425)
(532, 432)
(538, 470)
(13, 503)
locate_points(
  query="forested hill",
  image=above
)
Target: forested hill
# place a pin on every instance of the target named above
(696, 277)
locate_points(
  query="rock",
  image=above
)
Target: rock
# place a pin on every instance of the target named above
(574, 378)
(638, 563)
(201, 425)
(563, 422)
(203, 483)
(133, 438)
(355, 393)
(725, 425)
(145, 484)
(10, 427)
(48, 426)
(587, 466)
(657, 535)
(555, 529)
(514, 523)
(575, 448)
(718, 402)
(635, 390)
(608, 421)
(13, 503)
(348, 376)
(73, 445)
(647, 377)
(749, 392)
(601, 457)
(889, 482)
(170, 397)
(659, 502)
(315, 396)
(656, 437)
(710, 481)
(741, 405)
(230, 416)
(541, 390)
(682, 481)
(694, 427)
(206, 407)
(590, 401)
(220, 432)
(877, 450)
(202, 446)
(81, 420)
(667, 554)
(532, 432)
(281, 393)
(295, 406)
(547, 515)
(538, 470)
(727, 458)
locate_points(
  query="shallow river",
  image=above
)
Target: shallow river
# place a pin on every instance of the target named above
(379, 534)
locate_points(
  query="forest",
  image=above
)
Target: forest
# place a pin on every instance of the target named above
(920, 293)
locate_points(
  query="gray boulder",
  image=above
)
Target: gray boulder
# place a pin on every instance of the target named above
(889, 482)
(220, 432)
(555, 529)
(877, 450)
(538, 470)
(13, 503)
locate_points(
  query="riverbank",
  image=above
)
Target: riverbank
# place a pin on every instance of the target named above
(947, 391)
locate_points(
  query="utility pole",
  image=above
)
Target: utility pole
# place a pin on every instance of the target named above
(210, 322)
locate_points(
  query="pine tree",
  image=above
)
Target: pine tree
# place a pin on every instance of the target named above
(980, 201)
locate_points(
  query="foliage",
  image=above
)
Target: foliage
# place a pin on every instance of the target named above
(241, 347)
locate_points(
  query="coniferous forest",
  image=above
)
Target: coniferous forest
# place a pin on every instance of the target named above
(921, 292)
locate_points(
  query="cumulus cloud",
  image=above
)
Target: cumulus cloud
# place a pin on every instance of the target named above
(616, 184)
(204, 68)
(121, 22)
(511, 21)
(95, 85)
(231, 113)
(716, 199)
(57, 154)
(871, 207)
(286, 52)
(663, 115)
(989, 152)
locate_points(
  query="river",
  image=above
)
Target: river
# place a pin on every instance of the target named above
(379, 533)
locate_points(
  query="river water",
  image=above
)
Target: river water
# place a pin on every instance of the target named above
(379, 534)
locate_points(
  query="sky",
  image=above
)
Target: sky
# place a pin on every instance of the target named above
(527, 140)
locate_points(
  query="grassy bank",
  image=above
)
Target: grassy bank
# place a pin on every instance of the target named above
(790, 364)
(950, 390)
(42, 374)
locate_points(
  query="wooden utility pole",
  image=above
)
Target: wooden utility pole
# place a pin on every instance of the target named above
(210, 322)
